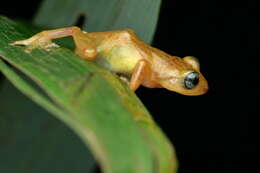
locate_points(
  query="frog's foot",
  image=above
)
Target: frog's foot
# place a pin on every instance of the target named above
(39, 40)
(124, 79)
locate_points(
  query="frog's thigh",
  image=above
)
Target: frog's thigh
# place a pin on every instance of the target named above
(141, 70)
(88, 53)
(85, 47)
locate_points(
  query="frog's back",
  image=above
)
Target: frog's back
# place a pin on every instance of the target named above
(119, 51)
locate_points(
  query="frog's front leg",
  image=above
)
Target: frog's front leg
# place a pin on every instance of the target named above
(85, 47)
(142, 70)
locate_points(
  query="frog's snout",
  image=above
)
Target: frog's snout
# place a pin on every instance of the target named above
(202, 88)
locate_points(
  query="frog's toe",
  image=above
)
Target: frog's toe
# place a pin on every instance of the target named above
(33, 43)
(20, 42)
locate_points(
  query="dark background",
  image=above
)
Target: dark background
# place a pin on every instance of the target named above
(215, 132)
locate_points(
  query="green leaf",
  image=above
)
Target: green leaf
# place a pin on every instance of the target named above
(90, 100)
(101, 109)
(24, 130)
(102, 15)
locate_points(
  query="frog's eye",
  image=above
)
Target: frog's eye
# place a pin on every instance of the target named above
(191, 80)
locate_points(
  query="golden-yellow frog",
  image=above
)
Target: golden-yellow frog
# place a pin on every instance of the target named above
(123, 53)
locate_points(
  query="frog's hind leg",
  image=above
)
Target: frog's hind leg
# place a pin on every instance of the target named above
(44, 38)
(84, 46)
(141, 71)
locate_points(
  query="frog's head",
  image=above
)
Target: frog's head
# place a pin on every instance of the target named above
(187, 80)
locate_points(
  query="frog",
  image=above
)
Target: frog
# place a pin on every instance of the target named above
(123, 53)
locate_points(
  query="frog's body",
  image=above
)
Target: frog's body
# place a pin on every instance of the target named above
(114, 54)
(122, 52)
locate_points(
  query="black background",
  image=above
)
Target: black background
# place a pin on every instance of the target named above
(215, 132)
